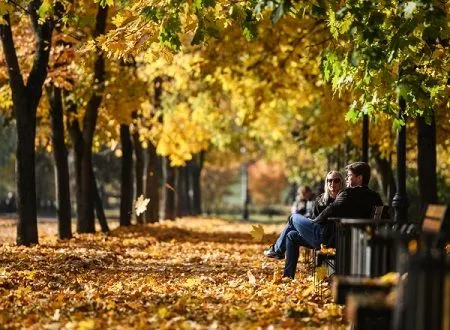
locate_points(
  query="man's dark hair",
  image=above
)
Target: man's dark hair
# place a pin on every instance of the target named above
(360, 168)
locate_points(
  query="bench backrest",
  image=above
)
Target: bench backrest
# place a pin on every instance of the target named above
(434, 218)
(381, 212)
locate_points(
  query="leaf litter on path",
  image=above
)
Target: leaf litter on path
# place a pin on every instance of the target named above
(192, 273)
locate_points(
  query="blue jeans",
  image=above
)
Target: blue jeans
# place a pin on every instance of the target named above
(303, 232)
(300, 224)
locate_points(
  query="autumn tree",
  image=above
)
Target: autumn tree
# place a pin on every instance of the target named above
(26, 96)
(414, 35)
(267, 182)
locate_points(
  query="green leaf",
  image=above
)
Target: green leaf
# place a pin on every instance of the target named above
(249, 31)
(333, 23)
(367, 108)
(105, 3)
(169, 33)
(200, 4)
(249, 27)
(153, 13)
(197, 4)
(353, 114)
(397, 124)
(45, 9)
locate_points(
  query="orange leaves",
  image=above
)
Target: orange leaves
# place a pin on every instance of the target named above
(190, 273)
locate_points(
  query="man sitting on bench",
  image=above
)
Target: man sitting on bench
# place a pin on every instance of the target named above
(356, 201)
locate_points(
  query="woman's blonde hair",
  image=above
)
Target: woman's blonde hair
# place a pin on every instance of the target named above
(326, 195)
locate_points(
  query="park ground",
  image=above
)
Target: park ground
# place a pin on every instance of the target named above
(192, 273)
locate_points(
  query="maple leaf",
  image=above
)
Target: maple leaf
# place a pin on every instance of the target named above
(257, 232)
(141, 204)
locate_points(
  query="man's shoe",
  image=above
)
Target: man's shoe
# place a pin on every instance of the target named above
(271, 253)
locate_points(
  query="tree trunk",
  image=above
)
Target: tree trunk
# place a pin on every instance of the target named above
(384, 168)
(187, 189)
(196, 186)
(98, 204)
(181, 196)
(152, 185)
(62, 166)
(25, 102)
(169, 190)
(365, 139)
(400, 201)
(126, 187)
(139, 170)
(26, 176)
(77, 142)
(153, 166)
(87, 220)
(426, 161)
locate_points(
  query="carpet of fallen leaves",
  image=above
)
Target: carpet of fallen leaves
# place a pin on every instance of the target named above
(190, 273)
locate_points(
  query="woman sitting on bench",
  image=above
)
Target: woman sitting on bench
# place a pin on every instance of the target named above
(334, 183)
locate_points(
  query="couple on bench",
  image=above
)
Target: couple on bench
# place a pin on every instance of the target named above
(355, 201)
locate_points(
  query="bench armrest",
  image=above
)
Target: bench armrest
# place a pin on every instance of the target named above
(360, 221)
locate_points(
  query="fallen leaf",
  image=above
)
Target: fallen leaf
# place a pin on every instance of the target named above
(56, 315)
(308, 291)
(276, 276)
(257, 232)
(251, 277)
(141, 204)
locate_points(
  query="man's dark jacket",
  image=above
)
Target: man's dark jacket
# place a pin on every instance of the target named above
(354, 202)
